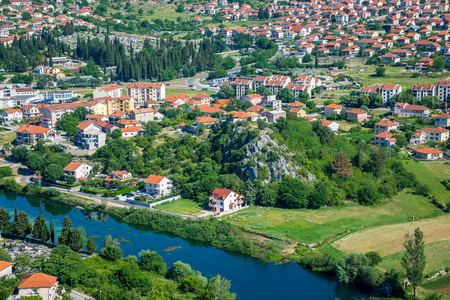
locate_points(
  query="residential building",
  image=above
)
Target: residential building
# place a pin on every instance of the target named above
(297, 112)
(254, 99)
(109, 90)
(384, 139)
(223, 200)
(273, 115)
(205, 120)
(357, 114)
(442, 120)
(5, 269)
(272, 102)
(202, 99)
(38, 284)
(241, 85)
(30, 134)
(143, 114)
(90, 135)
(77, 170)
(122, 123)
(119, 176)
(98, 118)
(332, 108)
(50, 114)
(158, 186)
(421, 90)
(428, 153)
(443, 89)
(146, 91)
(332, 125)
(131, 131)
(385, 126)
(430, 134)
(388, 91)
(29, 111)
(414, 111)
(12, 114)
(56, 96)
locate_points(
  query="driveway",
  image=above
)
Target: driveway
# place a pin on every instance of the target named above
(79, 296)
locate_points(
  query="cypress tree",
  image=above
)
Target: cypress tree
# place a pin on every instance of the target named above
(65, 232)
(52, 230)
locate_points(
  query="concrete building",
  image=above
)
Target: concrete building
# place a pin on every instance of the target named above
(273, 115)
(223, 200)
(30, 134)
(77, 170)
(109, 90)
(38, 284)
(90, 136)
(158, 185)
(385, 126)
(146, 91)
(428, 153)
(5, 269)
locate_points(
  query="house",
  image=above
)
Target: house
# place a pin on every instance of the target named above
(12, 114)
(388, 91)
(428, 153)
(357, 114)
(122, 123)
(99, 118)
(158, 186)
(146, 91)
(332, 125)
(273, 115)
(297, 112)
(5, 269)
(443, 89)
(254, 99)
(77, 170)
(442, 120)
(38, 284)
(143, 114)
(223, 200)
(30, 134)
(384, 139)
(202, 98)
(29, 111)
(119, 176)
(205, 120)
(431, 134)
(131, 131)
(109, 90)
(385, 126)
(332, 108)
(414, 111)
(90, 135)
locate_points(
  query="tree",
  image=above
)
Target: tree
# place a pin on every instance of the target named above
(65, 231)
(41, 83)
(4, 219)
(219, 289)
(111, 253)
(293, 193)
(439, 62)
(250, 193)
(22, 225)
(22, 261)
(71, 180)
(374, 258)
(75, 240)
(150, 261)
(53, 172)
(380, 71)
(35, 161)
(414, 260)
(4, 256)
(267, 194)
(226, 92)
(304, 97)
(19, 153)
(307, 58)
(376, 100)
(180, 8)
(116, 134)
(91, 246)
(40, 230)
(179, 271)
(342, 166)
(263, 91)
(286, 95)
(52, 230)
(26, 16)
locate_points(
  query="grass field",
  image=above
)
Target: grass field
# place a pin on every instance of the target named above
(181, 206)
(389, 239)
(7, 137)
(440, 284)
(308, 226)
(190, 93)
(435, 256)
(393, 75)
(432, 174)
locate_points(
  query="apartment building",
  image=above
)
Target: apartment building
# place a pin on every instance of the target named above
(146, 91)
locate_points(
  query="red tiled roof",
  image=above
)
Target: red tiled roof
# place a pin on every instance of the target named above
(428, 151)
(37, 280)
(73, 166)
(154, 179)
(4, 265)
(31, 129)
(385, 123)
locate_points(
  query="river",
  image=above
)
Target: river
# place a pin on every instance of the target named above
(251, 278)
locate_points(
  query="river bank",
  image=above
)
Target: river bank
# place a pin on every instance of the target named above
(252, 278)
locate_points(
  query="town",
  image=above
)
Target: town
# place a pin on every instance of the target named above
(315, 133)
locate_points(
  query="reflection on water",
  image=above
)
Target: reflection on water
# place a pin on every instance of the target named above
(251, 278)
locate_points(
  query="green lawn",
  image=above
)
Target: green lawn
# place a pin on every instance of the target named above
(440, 284)
(182, 206)
(436, 253)
(7, 137)
(393, 75)
(432, 174)
(308, 226)
(175, 91)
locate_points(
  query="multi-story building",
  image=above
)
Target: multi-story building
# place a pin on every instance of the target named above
(30, 134)
(443, 89)
(202, 99)
(388, 91)
(429, 134)
(109, 90)
(223, 200)
(241, 85)
(50, 114)
(146, 91)
(442, 120)
(384, 139)
(77, 170)
(143, 114)
(38, 284)
(406, 110)
(385, 126)
(29, 111)
(421, 90)
(273, 115)
(158, 185)
(90, 135)
(12, 114)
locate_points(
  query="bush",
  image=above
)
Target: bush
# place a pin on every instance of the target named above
(111, 253)
(10, 184)
(374, 258)
(71, 180)
(52, 193)
(5, 172)
(423, 189)
(31, 189)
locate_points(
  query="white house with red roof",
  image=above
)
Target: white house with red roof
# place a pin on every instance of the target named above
(332, 108)
(429, 134)
(12, 114)
(119, 175)
(385, 126)
(254, 99)
(109, 90)
(388, 91)
(332, 125)
(158, 185)
(223, 200)
(406, 110)
(384, 139)
(428, 153)
(39, 284)
(442, 120)
(5, 269)
(77, 170)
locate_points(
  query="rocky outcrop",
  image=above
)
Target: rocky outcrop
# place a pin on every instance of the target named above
(263, 157)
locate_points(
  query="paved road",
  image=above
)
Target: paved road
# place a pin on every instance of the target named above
(79, 296)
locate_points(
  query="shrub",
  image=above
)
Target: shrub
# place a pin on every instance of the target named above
(71, 180)
(5, 172)
(111, 253)
(10, 184)
(423, 189)
(52, 193)
(32, 189)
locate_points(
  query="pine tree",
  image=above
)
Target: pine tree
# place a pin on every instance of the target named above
(15, 213)
(341, 165)
(65, 231)
(22, 225)
(40, 230)
(316, 61)
(413, 261)
(52, 230)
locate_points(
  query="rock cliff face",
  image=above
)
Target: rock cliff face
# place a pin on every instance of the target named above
(262, 157)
